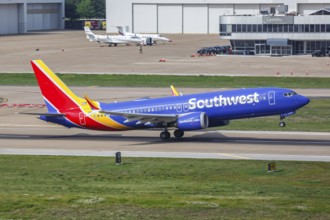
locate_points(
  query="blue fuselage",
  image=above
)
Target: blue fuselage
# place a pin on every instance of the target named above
(219, 106)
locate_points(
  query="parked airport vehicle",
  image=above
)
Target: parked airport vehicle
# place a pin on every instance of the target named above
(148, 39)
(111, 39)
(179, 112)
(214, 50)
(320, 53)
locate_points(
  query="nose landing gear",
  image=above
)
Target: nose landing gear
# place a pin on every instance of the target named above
(282, 123)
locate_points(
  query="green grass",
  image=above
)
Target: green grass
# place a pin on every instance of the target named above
(313, 117)
(165, 81)
(56, 187)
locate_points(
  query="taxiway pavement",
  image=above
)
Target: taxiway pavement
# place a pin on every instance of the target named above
(71, 52)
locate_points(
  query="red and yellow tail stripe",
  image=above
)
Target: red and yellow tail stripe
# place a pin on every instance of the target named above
(53, 88)
(63, 100)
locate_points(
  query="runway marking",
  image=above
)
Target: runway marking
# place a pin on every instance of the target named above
(281, 141)
(300, 133)
(18, 125)
(234, 156)
(13, 136)
(110, 153)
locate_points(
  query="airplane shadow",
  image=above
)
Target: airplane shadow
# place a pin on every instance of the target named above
(135, 140)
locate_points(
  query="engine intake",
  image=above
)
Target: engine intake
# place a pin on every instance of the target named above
(193, 121)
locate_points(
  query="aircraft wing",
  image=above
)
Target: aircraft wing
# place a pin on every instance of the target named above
(144, 118)
(175, 91)
(112, 40)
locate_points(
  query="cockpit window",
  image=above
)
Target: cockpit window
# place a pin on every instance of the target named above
(289, 94)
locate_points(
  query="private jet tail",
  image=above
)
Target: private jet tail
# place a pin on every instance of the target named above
(89, 34)
(121, 30)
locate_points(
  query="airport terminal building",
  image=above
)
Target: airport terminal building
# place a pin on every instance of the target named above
(277, 35)
(21, 16)
(270, 27)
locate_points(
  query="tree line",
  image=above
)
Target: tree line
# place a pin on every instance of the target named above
(75, 9)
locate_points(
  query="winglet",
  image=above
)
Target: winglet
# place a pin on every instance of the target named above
(94, 105)
(175, 92)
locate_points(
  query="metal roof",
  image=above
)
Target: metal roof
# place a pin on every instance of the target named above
(323, 11)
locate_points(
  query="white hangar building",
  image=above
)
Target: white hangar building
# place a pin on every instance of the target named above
(193, 16)
(20, 16)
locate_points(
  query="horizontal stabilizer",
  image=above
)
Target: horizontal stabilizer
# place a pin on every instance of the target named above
(43, 114)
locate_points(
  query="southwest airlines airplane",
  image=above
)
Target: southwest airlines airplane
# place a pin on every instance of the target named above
(179, 112)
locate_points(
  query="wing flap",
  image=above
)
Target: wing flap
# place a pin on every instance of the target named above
(144, 118)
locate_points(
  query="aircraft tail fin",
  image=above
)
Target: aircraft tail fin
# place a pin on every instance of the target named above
(88, 30)
(121, 30)
(58, 97)
(89, 34)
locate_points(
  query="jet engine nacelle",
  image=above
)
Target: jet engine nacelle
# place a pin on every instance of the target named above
(193, 121)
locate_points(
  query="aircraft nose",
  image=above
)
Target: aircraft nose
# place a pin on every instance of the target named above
(302, 101)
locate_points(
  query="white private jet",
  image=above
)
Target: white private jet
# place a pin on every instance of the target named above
(154, 37)
(112, 39)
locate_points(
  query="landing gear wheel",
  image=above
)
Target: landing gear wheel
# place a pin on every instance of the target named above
(165, 135)
(178, 133)
(282, 124)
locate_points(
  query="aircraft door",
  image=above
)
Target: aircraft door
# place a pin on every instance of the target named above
(271, 97)
(149, 41)
(179, 108)
(185, 107)
(82, 118)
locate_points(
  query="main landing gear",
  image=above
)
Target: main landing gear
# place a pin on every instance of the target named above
(165, 135)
